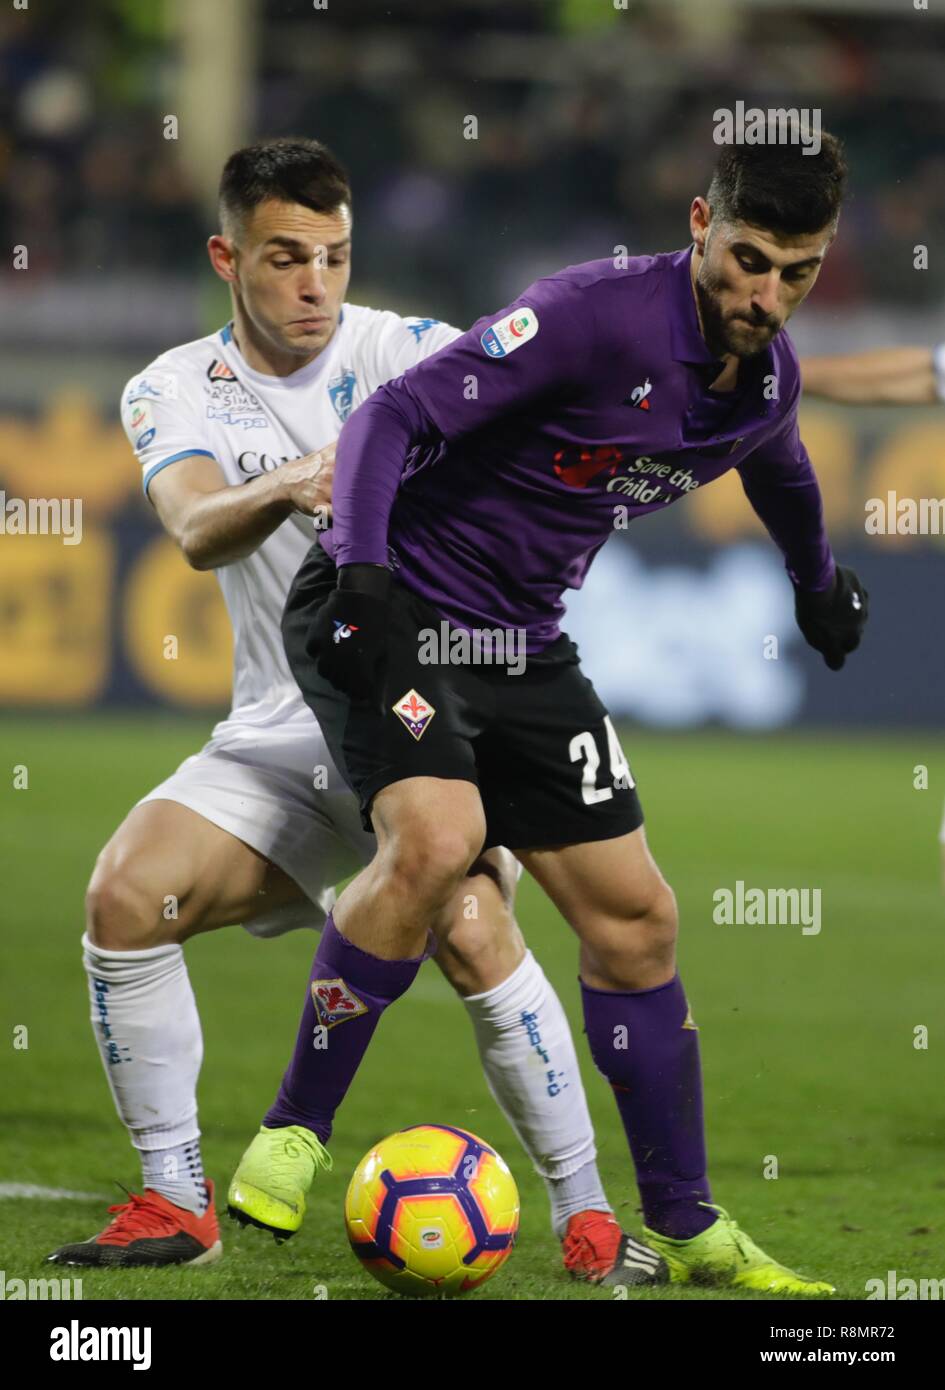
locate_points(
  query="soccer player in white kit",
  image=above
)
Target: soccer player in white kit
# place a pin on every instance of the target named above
(881, 376)
(235, 436)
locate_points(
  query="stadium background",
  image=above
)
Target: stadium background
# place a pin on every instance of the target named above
(594, 133)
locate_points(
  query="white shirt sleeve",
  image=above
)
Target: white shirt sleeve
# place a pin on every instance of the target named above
(162, 420)
(938, 363)
(400, 343)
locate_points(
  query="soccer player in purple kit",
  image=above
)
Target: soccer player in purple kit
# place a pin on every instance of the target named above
(475, 489)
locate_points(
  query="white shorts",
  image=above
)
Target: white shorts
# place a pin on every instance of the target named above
(276, 788)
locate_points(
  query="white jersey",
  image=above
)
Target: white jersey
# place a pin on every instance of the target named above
(202, 398)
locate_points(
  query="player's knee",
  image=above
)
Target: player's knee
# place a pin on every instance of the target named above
(483, 945)
(479, 953)
(465, 954)
(433, 858)
(660, 922)
(122, 915)
(500, 868)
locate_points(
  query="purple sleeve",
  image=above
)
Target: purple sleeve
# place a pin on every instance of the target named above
(780, 483)
(542, 344)
(369, 462)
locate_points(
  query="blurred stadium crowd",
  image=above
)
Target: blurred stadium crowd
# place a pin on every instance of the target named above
(594, 130)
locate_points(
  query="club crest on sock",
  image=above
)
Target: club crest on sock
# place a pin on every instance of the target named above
(334, 1002)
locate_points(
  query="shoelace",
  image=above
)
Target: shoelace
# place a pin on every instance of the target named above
(292, 1146)
(139, 1216)
(731, 1225)
(576, 1242)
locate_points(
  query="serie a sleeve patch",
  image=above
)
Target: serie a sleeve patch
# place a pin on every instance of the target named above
(510, 333)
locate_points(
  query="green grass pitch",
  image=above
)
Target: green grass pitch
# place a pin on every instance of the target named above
(807, 1041)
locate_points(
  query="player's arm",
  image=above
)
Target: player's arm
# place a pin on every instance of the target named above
(542, 346)
(388, 425)
(545, 344)
(830, 602)
(886, 376)
(215, 523)
(782, 487)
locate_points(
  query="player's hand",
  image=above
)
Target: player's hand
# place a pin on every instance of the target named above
(833, 622)
(348, 638)
(306, 482)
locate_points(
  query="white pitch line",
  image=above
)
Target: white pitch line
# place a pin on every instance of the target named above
(47, 1194)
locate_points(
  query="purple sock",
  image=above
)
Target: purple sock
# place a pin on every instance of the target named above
(641, 1043)
(348, 991)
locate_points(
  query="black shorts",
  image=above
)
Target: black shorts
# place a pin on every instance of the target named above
(540, 745)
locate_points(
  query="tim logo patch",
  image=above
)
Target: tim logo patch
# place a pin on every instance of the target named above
(414, 712)
(510, 333)
(334, 1002)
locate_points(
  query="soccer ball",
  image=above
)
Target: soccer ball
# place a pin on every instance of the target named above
(432, 1210)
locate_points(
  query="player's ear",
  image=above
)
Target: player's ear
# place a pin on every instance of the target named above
(700, 215)
(222, 253)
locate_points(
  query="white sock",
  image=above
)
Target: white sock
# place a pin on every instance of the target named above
(532, 1069)
(144, 1017)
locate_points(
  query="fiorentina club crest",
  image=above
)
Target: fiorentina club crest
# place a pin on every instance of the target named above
(334, 1002)
(414, 712)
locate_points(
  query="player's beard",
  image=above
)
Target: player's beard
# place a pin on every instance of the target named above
(727, 335)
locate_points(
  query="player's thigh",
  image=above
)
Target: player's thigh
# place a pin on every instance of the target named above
(551, 769)
(411, 752)
(483, 944)
(168, 873)
(611, 892)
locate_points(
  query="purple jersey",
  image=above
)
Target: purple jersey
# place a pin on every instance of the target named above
(491, 474)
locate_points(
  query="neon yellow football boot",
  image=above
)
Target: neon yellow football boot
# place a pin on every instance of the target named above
(723, 1255)
(269, 1186)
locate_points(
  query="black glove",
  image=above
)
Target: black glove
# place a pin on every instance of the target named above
(833, 622)
(348, 638)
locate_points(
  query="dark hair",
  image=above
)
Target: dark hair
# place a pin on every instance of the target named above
(779, 187)
(294, 170)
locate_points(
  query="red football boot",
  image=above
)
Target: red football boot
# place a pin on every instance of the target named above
(149, 1230)
(597, 1250)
